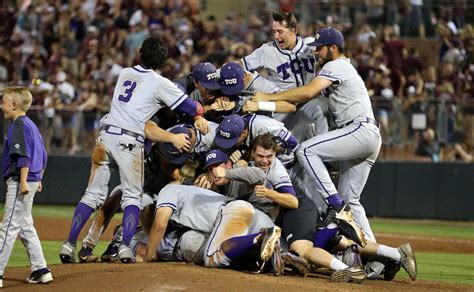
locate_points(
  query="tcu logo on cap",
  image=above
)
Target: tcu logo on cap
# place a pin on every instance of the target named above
(317, 36)
(211, 156)
(230, 81)
(224, 134)
(211, 76)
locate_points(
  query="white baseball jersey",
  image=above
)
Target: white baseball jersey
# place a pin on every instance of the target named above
(348, 96)
(194, 207)
(203, 143)
(261, 84)
(138, 95)
(286, 68)
(259, 125)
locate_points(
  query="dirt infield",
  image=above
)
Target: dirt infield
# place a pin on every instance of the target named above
(180, 276)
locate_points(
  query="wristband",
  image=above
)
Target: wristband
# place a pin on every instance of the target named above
(267, 106)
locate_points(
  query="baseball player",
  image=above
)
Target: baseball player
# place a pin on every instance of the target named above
(228, 223)
(235, 131)
(298, 224)
(24, 161)
(170, 165)
(139, 93)
(290, 63)
(356, 142)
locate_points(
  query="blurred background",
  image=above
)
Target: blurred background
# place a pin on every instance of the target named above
(415, 57)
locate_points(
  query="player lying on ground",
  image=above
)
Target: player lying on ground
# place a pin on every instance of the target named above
(228, 223)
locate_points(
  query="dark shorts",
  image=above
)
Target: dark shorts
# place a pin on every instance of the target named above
(300, 224)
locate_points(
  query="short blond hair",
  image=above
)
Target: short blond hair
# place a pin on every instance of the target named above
(20, 95)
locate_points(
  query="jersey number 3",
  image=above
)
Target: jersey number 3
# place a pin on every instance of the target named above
(129, 88)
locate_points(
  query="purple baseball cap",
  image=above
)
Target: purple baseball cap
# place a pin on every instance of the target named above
(328, 36)
(215, 157)
(169, 152)
(231, 78)
(205, 73)
(229, 131)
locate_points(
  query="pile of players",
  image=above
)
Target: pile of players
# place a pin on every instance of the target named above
(239, 179)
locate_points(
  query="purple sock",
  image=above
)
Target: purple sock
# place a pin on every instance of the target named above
(336, 202)
(323, 236)
(235, 247)
(129, 223)
(81, 215)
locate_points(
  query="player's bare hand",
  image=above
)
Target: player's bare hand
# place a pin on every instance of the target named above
(181, 142)
(201, 124)
(40, 187)
(241, 163)
(218, 171)
(261, 191)
(204, 181)
(260, 96)
(223, 104)
(24, 188)
(235, 156)
(250, 106)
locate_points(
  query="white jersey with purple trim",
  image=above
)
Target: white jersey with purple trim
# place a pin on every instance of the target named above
(286, 68)
(259, 125)
(194, 207)
(204, 143)
(138, 95)
(261, 84)
(348, 96)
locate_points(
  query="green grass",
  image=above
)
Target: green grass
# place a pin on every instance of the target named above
(454, 268)
(48, 211)
(430, 228)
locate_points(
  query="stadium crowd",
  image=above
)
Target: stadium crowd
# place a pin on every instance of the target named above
(70, 53)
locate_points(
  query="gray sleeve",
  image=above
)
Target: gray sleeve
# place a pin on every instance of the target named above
(249, 174)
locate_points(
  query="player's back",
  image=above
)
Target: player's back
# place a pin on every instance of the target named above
(138, 95)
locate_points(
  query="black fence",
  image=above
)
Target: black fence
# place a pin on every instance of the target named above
(394, 189)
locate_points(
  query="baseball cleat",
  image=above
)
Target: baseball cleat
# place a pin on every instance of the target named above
(296, 263)
(86, 256)
(269, 239)
(110, 255)
(348, 275)
(391, 269)
(349, 227)
(66, 253)
(408, 260)
(41, 276)
(125, 254)
(277, 266)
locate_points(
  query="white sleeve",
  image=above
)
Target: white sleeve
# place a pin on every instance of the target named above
(169, 93)
(278, 176)
(264, 124)
(255, 60)
(169, 196)
(263, 85)
(333, 71)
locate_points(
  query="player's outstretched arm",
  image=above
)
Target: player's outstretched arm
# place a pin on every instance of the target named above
(299, 94)
(157, 134)
(157, 232)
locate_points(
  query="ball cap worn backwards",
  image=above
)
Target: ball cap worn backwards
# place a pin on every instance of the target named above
(206, 74)
(231, 79)
(215, 157)
(328, 36)
(229, 131)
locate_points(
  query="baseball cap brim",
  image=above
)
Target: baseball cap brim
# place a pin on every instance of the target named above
(211, 84)
(316, 43)
(225, 143)
(215, 162)
(232, 89)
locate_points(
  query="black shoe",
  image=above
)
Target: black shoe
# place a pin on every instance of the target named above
(42, 276)
(110, 255)
(391, 269)
(86, 255)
